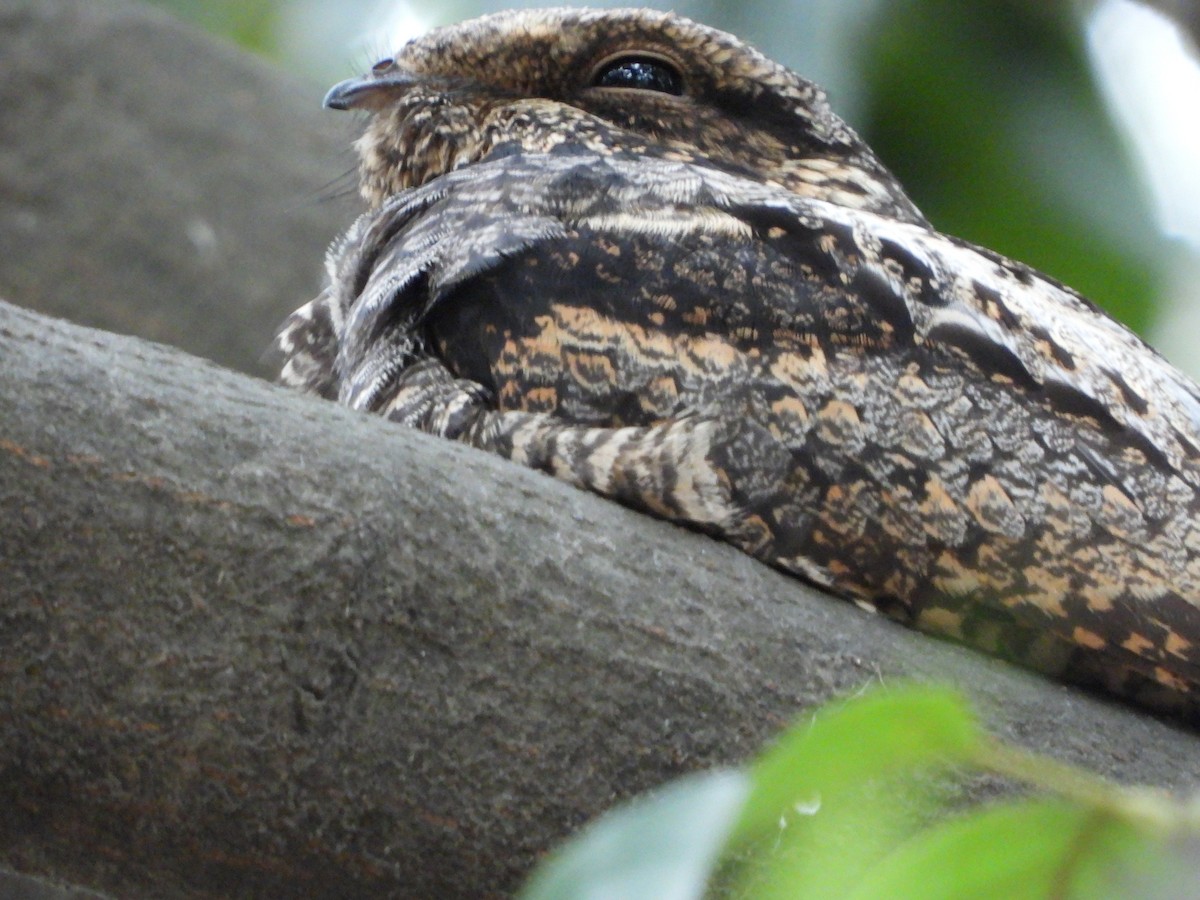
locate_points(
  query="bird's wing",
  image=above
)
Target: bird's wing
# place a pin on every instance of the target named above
(905, 417)
(802, 269)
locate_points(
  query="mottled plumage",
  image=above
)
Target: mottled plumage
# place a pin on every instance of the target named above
(631, 251)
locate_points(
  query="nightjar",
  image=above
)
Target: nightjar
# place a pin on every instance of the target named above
(633, 252)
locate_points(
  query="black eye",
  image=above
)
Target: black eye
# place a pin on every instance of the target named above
(644, 73)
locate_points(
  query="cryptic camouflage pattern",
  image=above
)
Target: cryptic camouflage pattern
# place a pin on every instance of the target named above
(719, 307)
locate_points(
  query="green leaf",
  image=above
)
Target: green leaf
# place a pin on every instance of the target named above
(1038, 848)
(664, 845)
(873, 736)
(826, 851)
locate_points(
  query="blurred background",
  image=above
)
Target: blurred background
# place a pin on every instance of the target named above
(1064, 133)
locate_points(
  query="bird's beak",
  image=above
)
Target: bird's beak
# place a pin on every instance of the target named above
(367, 90)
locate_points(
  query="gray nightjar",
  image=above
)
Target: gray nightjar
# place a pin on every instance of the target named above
(633, 252)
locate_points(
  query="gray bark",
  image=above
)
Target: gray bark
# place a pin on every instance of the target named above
(254, 644)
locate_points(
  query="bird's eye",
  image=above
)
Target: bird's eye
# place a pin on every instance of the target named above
(645, 73)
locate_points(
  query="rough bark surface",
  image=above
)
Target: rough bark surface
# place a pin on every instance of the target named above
(254, 644)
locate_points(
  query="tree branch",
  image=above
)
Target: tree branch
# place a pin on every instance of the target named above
(255, 640)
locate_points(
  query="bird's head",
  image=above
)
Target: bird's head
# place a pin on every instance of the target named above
(631, 80)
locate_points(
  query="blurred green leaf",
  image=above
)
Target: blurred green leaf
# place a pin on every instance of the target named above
(873, 736)
(826, 851)
(1042, 848)
(840, 807)
(661, 847)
